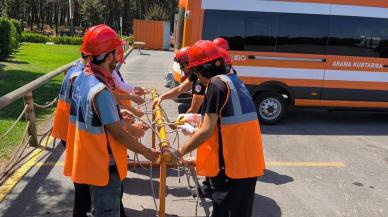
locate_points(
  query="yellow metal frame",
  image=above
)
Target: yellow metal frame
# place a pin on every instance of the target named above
(158, 118)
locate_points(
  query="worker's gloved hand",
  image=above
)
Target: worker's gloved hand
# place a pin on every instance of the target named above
(187, 129)
(191, 118)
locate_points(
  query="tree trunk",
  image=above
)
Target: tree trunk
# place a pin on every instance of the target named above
(56, 15)
(50, 15)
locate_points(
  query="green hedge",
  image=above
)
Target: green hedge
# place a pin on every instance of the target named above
(129, 39)
(8, 37)
(66, 40)
(33, 37)
(39, 38)
(19, 28)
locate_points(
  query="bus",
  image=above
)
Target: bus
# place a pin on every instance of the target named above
(298, 53)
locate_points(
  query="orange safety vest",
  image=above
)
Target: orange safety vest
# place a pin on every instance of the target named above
(241, 136)
(88, 143)
(124, 102)
(61, 118)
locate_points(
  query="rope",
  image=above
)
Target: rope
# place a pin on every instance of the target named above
(14, 124)
(146, 102)
(9, 163)
(47, 105)
(153, 192)
(188, 171)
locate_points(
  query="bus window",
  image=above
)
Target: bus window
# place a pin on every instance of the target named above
(260, 32)
(380, 37)
(350, 36)
(254, 31)
(225, 24)
(302, 33)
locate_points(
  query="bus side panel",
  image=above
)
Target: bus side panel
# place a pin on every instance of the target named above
(357, 79)
(301, 73)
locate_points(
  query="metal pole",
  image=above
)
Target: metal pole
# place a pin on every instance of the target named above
(162, 189)
(71, 16)
(30, 115)
(153, 132)
(121, 26)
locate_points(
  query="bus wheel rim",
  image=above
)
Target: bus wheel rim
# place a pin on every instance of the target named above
(270, 108)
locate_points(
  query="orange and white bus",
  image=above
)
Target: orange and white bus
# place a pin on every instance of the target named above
(302, 53)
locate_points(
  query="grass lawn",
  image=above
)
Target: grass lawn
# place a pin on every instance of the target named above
(28, 63)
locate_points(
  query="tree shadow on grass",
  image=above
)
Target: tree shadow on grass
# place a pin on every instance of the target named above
(16, 62)
(13, 79)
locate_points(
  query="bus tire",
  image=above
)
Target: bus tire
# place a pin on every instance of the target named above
(271, 107)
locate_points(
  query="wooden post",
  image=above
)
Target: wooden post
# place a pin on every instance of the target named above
(30, 115)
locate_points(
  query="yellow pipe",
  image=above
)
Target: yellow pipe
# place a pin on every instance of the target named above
(166, 154)
(160, 122)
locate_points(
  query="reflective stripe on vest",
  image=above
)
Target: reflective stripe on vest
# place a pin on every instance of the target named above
(241, 136)
(61, 118)
(87, 156)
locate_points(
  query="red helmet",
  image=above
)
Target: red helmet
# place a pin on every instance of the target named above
(222, 43)
(120, 54)
(225, 55)
(202, 52)
(182, 55)
(99, 40)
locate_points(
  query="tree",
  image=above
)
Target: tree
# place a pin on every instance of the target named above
(93, 11)
(55, 13)
(3, 8)
(157, 12)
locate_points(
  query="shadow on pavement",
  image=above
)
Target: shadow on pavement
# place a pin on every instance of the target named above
(144, 213)
(275, 178)
(324, 122)
(265, 207)
(29, 196)
(140, 187)
(171, 172)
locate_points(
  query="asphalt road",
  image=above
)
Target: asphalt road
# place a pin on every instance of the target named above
(319, 163)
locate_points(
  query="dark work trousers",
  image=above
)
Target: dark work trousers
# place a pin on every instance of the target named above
(122, 210)
(183, 107)
(232, 197)
(63, 143)
(82, 201)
